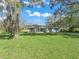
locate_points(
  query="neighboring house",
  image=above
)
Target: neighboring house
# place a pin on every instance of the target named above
(35, 28)
(39, 29)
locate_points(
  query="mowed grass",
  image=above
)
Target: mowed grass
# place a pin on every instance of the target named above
(40, 47)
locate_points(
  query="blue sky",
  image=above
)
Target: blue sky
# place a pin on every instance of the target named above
(37, 14)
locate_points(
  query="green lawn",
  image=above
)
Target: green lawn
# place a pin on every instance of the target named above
(40, 47)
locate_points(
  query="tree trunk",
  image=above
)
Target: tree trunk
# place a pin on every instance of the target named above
(16, 26)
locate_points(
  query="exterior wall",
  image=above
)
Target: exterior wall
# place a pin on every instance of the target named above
(36, 28)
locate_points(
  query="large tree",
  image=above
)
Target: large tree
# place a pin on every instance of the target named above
(13, 8)
(11, 23)
(69, 9)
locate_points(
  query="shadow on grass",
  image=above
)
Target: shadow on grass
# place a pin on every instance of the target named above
(71, 35)
(36, 34)
(5, 37)
(64, 34)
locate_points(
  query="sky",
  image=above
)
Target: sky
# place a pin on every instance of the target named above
(37, 14)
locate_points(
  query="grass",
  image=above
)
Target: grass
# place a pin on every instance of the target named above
(40, 47)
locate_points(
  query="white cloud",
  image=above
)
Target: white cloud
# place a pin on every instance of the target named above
(46, 14)
(28, 11)
(31, 15)
(38, 14)
(35, 14)
(26, 2)
(38, 6)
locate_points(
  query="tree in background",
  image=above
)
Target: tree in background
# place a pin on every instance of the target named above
(70, 10)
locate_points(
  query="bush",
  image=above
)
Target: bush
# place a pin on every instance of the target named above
(25, 33)
(64, 30)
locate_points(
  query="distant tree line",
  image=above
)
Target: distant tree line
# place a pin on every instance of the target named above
(68, 14)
